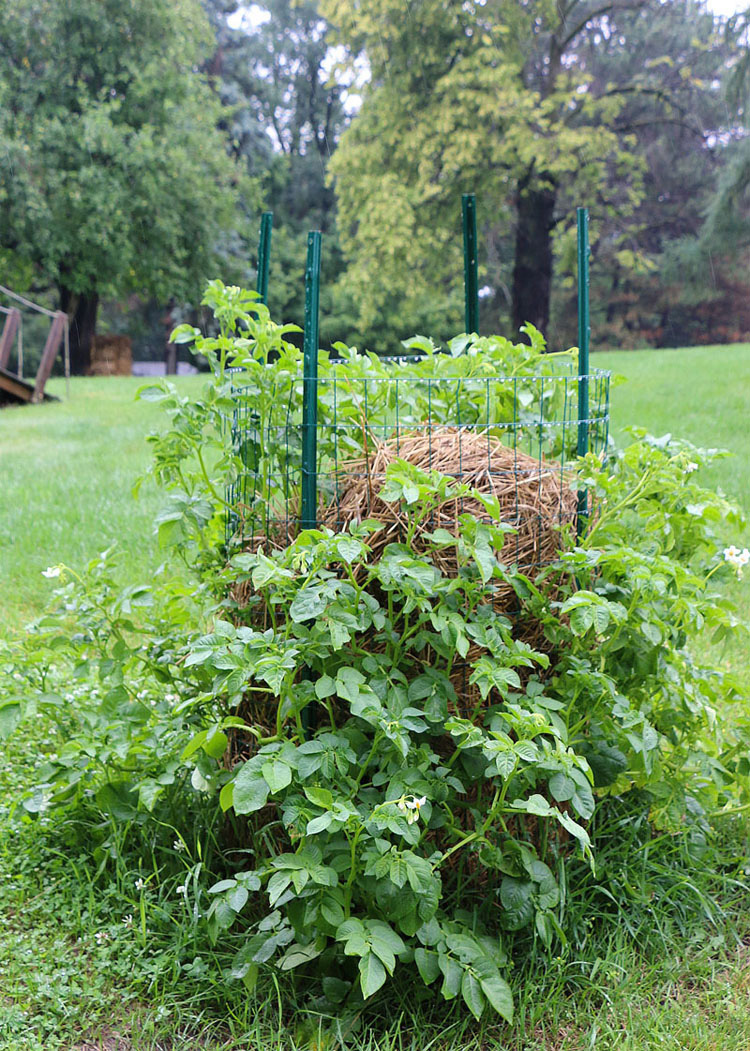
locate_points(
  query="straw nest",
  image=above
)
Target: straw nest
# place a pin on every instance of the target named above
(534, 495)
(536, 498)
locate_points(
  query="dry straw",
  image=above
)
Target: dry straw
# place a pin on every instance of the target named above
(534, 495)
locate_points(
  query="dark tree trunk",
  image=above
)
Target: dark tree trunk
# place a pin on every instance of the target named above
(170, 359)
(82, 310)
(170, 349)
(532, 269)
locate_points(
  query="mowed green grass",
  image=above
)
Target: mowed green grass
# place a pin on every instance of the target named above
(67, 471)
(702, 394)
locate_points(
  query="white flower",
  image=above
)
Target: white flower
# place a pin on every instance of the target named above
(411, 807)
(737, 558)
(52, 571)
(100, 937)
(140, 883)
(128, 921)
(690, 467)
(178, 845)
(181, 890)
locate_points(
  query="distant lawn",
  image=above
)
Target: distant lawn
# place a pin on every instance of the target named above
(701, 393)
(67, 469)
(66, 474)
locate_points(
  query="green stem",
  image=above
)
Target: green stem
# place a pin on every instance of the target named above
(729, 813)
(363, 769)
(207, 478)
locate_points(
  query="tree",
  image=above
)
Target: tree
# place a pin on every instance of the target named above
(727, 220)
(500, 97)
(681, 133)
(113, 174)
(285, 113)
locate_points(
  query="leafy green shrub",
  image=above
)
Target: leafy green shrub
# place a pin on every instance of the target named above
(404, 778)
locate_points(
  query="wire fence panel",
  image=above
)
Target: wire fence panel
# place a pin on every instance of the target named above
(512, 438)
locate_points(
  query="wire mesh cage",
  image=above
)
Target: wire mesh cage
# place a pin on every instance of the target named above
(508, 436)
(485, 434)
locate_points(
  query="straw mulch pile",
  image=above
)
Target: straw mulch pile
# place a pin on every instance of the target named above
(534, 495)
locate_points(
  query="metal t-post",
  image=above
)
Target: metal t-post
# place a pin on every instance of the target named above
(584, 332)
(264, 255)
(471, 281)
(309, 509)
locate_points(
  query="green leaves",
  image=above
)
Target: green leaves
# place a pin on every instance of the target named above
(11, 714)
(588, 610)
(277, 775)
(372, 974)
(250, 790)
(494, 988)
(449, 760)
(308, 604)
(377, 945)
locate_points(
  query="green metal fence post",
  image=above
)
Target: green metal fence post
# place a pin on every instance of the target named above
(309, 509)
(264, 255)
(471, 281)
(584, 331)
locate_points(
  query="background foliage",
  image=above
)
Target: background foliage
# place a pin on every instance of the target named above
(634, 107)
(113, 173)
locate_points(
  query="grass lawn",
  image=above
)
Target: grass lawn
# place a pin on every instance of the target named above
(702, 394)
(66, 474)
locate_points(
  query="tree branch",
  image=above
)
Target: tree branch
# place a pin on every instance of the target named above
(598, 12)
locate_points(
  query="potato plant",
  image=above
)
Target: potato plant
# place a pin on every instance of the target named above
(402, 780)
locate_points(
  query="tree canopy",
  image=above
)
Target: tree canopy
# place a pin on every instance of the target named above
(114, 176)
(535, 107)
(140, 163)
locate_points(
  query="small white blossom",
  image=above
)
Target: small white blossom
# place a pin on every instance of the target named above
(101, 937)
(52, 571)
(128, 921)
(411, 807)
(140, 883)
(737, 558)
(181, 889)
(178, 845)
(690, 467)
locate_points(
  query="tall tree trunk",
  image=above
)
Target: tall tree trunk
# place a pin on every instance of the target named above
(82, 310)
(532, 269)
